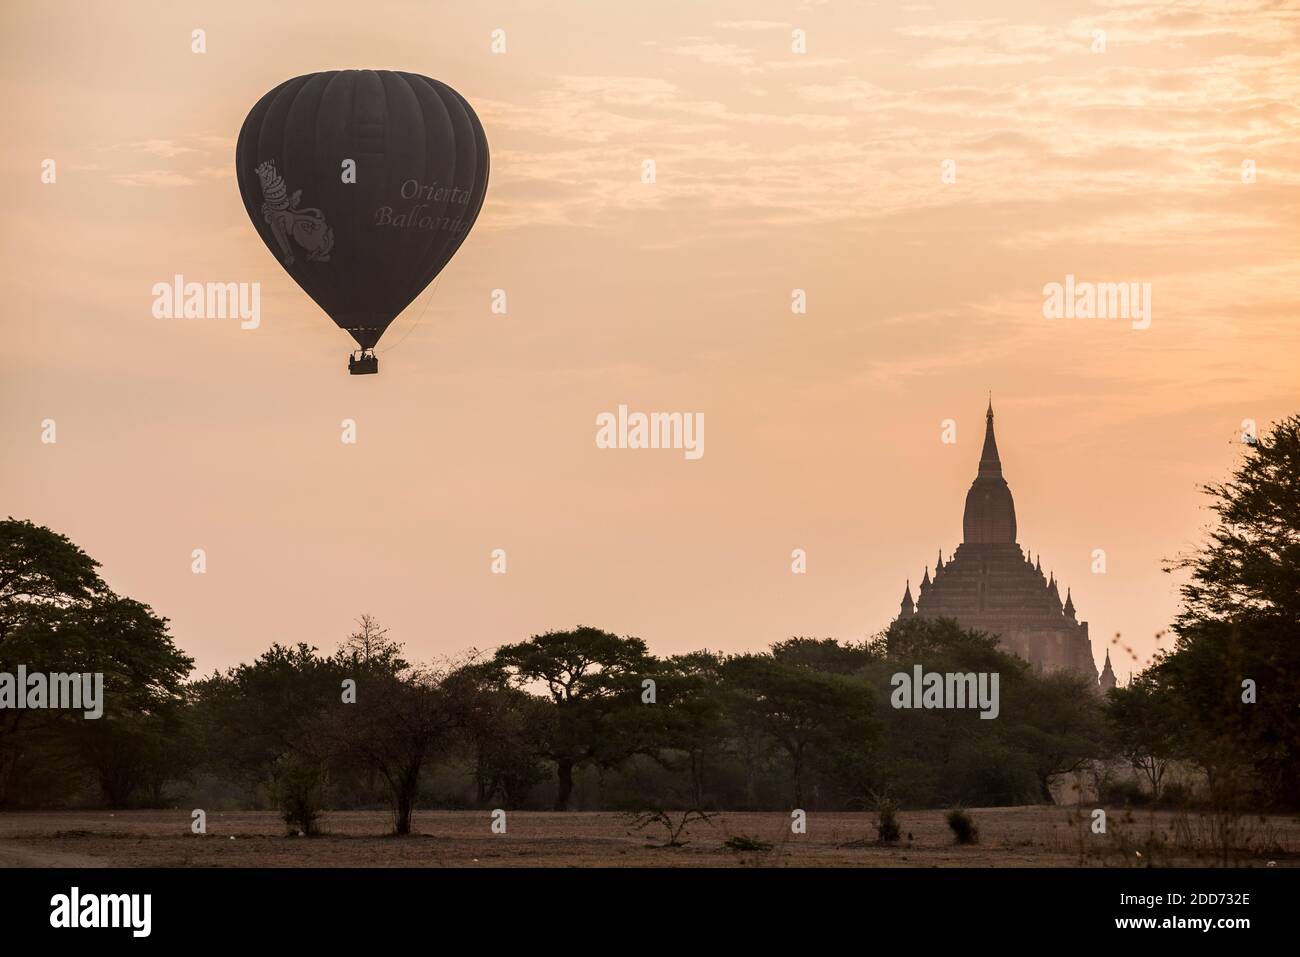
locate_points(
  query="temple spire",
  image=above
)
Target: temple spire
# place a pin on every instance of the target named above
(907, 607)
(1106, 681)
(990, 462)
(990, 514)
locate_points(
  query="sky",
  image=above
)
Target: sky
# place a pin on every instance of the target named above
(921, 172)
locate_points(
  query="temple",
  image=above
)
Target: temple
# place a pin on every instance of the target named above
(991, 585)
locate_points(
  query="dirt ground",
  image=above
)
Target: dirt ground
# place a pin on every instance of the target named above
(1009, 837)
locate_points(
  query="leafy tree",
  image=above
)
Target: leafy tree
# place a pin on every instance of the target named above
(943, 756)
(57, 616)
(501, 730)
(279, 704)
(369, 651)
(1047, 725)
(298, 788)
(41, 568)
(399, 722)
(823, 654)
(592, 679)
(1143, 728)
(1241, 623)
(694, 715)
(818, 720)
(1055, 719)
(1250, 565)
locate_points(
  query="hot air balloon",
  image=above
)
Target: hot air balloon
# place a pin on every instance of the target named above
(363, 184)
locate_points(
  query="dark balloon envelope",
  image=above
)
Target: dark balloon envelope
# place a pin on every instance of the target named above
(362, 250)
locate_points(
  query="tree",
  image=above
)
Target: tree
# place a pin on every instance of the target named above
(369, 651)
(592, 679)
(369, 647)
(1056, 720)
(1143, 728)
(1047, 725)
(253, 714)
(815, 718)
(823, 654)
(40, 568)
(397, 724)
(501, 732)
(58, 616)
(133, 747)
(1250, 566)
(693, 710)
(1240, 629)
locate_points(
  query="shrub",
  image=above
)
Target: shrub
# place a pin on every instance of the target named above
(1175, 795)
(963, 826)
(1125, 793)
(887, 829)
(742, 842)
(298, 789)
(674, 829)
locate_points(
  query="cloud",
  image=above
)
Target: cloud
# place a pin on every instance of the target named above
(718, 54)
(982, 43)
(167, 149)
(752, 25)
(196, 157)
(153, 177)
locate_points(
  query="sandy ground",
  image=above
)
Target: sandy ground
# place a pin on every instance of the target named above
(1009, 837)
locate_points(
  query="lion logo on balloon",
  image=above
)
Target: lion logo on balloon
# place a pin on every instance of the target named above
(306, 226)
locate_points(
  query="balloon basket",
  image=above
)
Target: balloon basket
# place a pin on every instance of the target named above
(363, 363)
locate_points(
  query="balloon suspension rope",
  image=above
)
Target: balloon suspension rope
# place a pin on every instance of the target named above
(428, 300)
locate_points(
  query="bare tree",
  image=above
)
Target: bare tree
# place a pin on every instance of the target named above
(370, 645)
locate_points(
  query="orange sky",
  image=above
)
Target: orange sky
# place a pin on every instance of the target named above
(775, 171)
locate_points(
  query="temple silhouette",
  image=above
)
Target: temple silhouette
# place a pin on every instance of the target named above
(991, 585)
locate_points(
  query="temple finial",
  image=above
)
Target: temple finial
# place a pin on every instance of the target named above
(990, 462)
(907, 607)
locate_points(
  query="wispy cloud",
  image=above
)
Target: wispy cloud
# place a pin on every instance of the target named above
(153, 177)
(167, 149)
(196, 157)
